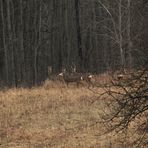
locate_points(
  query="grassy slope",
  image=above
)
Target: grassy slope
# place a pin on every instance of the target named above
(52, 117)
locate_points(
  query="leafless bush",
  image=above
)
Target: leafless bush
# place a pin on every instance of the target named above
(129, 105)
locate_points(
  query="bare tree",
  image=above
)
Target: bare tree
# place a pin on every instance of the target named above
(121, 23)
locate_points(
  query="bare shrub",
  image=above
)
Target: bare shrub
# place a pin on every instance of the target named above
(128, 106)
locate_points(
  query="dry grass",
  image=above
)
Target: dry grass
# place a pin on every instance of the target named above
(53, 116)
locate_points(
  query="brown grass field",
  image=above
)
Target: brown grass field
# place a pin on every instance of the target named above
(54, 116)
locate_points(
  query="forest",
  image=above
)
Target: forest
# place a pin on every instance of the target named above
(94, 35)
(74, 73)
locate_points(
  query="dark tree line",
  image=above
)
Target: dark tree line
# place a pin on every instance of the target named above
(93, 35)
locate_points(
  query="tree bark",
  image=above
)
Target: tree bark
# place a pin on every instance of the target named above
(129, 34)
(79, 38)
(4, 41)
(120, 35)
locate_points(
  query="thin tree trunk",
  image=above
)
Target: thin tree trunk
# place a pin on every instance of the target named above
(4, 42)
(37, 43)
(129, 34)
(36, 46)
(35, 52)
(79, 39)
(10, 43)
(13, 48)
(22, 60)
(95, 38)
(120, 34)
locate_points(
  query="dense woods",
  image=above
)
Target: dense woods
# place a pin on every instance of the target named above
(94, 35)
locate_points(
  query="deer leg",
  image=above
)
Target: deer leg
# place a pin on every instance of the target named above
(91, 84)
(77, 84)
(88, 84)
(67, 84)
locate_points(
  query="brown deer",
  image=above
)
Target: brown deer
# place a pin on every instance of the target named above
(71, 78)
(120, 76)
(51, 75)
(87, 77)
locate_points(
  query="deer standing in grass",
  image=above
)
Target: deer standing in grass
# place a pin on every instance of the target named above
(51, 75)
(77, 77)
(87, 77)
(73, 78)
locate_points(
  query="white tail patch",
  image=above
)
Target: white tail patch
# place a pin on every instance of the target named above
(90, 76)
(120, 76)
(81, 78)
(61, 74)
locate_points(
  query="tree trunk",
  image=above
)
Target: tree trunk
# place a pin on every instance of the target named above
(10, 44)
(120, 35)
(21, 36)
(4, 41)
(129, 34)
(37, 40)
(79, 39)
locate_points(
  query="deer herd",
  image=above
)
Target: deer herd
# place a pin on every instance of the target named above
(78, 78)
(73, 77)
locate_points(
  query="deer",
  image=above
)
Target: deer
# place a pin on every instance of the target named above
(87, 77)
(73, 78)
(120, 76)
(51, 75)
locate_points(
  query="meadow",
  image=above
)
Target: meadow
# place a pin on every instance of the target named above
(54, 115)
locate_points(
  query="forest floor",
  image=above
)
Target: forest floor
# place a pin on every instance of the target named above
(54, 116)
